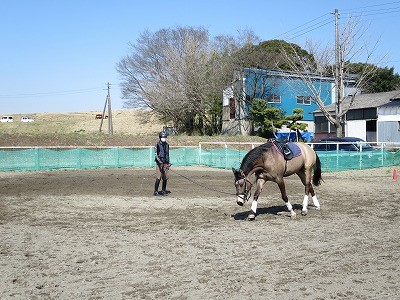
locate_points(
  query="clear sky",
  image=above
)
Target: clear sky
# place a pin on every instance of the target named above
(58, 55)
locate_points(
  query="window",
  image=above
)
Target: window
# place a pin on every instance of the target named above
(232, 108)
(370, 113)
(305, 100)
(321, 124)
(273, 98)
(361, 114)
(355, 114)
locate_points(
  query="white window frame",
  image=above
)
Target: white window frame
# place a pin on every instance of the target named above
(273, 98)
(304, 100)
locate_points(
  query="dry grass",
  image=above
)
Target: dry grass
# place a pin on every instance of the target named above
(137, 122)
(130, 127)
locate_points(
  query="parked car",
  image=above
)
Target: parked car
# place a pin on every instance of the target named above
(342, 144)
(6, 119)
(27, 119)
(100, 116)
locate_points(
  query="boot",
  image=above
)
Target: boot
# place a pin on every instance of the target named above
(164, 188)
(156, 185)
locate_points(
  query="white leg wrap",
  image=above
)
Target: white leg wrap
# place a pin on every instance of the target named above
(254, 206)
(315, 201)
(289, 206)
(305, 202)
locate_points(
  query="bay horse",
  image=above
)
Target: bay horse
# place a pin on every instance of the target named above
(268, 163)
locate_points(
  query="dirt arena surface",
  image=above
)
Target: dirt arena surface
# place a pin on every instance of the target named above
(100, 234)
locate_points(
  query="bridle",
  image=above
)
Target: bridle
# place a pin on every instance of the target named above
(244, 196)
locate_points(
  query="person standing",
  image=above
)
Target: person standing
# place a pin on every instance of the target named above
(162, 164)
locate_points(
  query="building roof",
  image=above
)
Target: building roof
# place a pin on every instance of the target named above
(393, 102)
(349, 79)
(367, 101)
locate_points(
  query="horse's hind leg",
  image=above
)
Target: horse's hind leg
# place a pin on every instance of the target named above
(308, 189)
(282, 188)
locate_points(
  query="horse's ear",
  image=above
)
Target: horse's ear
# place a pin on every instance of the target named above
(242, 173)
(236, 173)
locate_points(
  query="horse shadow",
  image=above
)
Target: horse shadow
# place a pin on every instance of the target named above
(272, 210)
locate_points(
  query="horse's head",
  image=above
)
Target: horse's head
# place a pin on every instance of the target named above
(243, 186)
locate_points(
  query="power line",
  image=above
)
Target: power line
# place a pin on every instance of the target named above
(377, 9)
(43, 94)
(285, 33)
(300, 30)
(375, 5)
(375, 12)
(312, 29)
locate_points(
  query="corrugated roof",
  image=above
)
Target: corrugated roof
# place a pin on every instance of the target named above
(367, 100)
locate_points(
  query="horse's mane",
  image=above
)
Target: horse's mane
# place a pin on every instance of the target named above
(249, 159)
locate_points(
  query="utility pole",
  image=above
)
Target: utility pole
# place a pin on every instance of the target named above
(107, 104)
(338, 77)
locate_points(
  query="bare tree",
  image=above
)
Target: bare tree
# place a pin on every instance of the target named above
(166, 71)
(335, 62)
(180, 73)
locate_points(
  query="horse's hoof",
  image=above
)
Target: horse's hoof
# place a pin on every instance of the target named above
(251, 217)
(317, 207)
(304, 212)
(240, 203)
(293, 215)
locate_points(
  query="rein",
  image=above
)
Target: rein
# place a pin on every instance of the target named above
(202, 185)
(245, 196)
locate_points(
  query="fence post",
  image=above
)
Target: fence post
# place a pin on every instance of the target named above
(226, 156)
(200, 159)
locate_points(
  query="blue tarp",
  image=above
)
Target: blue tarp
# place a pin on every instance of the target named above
(291, 136)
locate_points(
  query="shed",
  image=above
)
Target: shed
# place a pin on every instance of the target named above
(389, 121)
(362, 117)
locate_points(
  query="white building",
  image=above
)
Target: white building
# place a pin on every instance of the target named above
(389, 121)
(371, 117)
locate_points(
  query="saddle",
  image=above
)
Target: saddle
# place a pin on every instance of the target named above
(287, 149)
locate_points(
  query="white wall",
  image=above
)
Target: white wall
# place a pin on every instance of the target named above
(356, 128)
(226, 95)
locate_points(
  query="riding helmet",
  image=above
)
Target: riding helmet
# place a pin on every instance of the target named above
(162, 134)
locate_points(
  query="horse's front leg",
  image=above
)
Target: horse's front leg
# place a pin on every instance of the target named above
(282, 188)
(253, 211)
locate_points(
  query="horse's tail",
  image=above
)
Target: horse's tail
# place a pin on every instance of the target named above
(317, 172)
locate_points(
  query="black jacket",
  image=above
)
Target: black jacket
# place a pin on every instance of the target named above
(162, 152)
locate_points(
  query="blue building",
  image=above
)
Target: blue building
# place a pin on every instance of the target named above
(286, 90)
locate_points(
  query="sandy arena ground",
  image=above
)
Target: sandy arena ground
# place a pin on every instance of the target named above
(100, 234)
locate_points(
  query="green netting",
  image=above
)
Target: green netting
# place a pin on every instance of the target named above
(186, 156)
(81, 158)
(225, 158)
(330, 161)
(348, 160)
(222, 158)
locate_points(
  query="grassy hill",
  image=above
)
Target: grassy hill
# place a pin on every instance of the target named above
(130, 127)
(137, 122)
